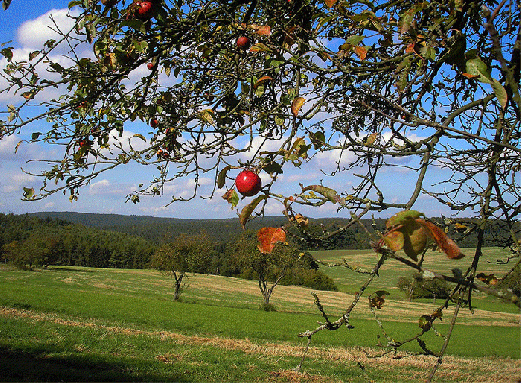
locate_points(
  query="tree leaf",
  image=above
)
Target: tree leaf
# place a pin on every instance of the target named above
(28, 193)
(5, 4)
(206, 115)
(231, 197)
(264, 30)
(328, 193)
(425, 322)
(330, 3)
(476, 67)
(248, 209)
(500, 93)
(221, 178)
(259, 47)
(447, 245)
(297, 104)
(416, 239)
(268, 237)
(261, 81)
(361, 52)
(402, 217)
(138, 135)
(394, 239)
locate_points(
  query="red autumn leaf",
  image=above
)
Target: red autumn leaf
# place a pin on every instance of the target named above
(410, 48)
(268, 237)
(361, 52)
(447, 245)
(330, 3)
(297, 104)
(264, 30)
(261, 81)
(394, 239)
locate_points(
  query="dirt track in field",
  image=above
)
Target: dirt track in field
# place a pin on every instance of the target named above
(452, 369)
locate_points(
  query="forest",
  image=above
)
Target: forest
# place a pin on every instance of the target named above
(27, 242)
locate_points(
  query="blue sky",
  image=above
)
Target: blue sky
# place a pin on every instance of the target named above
(23, 23)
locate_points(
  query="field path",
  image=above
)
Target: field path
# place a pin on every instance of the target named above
(457, 368)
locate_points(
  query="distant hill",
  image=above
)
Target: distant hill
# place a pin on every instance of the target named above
(157, 229)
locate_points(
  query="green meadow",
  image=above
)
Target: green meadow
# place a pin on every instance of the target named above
(78, 324)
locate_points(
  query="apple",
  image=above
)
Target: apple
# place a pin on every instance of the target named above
(154, 123)
(243, 42)
(144, 8)
(150, 66)
(248, 183)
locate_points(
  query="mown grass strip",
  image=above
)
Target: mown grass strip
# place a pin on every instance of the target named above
(48, 347)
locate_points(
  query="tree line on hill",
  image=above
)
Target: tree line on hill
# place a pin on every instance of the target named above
(27, 242)
(158, 230)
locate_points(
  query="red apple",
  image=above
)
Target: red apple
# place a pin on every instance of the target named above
(248, 183)
(154, 123)
(150, 66)
(144, 8)
(243, 42)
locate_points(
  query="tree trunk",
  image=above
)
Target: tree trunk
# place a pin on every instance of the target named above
(177, 288)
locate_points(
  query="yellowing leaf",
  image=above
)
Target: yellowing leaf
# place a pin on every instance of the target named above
(221, 178)
(297, 104)
(261, 81)
(268, 237)
(330, 3)
(361, 52)
(28, 193)
(394, 239)
(231, 197)
(264, 30)
(301, 220)
(445, 244)
(402, 217)
(259, 47)
(370, 139)
(207, 116)
(500, 93)
(248, 209)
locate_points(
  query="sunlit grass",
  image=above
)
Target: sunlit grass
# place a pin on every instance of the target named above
(68, 316)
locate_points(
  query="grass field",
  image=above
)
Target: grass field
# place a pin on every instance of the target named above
(77, 324)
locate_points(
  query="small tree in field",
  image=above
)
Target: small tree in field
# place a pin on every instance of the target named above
(427, 88)
(186, 253)
(268, 262)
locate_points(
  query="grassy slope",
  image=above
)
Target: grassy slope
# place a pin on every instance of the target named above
(77, 311)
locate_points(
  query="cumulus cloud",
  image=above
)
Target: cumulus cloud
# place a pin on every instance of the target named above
(34, 33)
(15, 181)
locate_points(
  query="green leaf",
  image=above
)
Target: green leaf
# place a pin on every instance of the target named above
(139, 136)
(500, 93)
(7, 53)
(402, 217)
(221, 178)
(248, 210)
(328, 193)
(35, 136)
(272, 167)
(318, 139)
(28, 193)
(476, 67)
(425, 322)
(231, 197)
(5, 4)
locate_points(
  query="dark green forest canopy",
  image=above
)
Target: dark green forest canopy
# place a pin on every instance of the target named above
(157, 230)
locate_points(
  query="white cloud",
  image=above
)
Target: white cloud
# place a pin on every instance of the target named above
(15, 181)
(34, 33)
